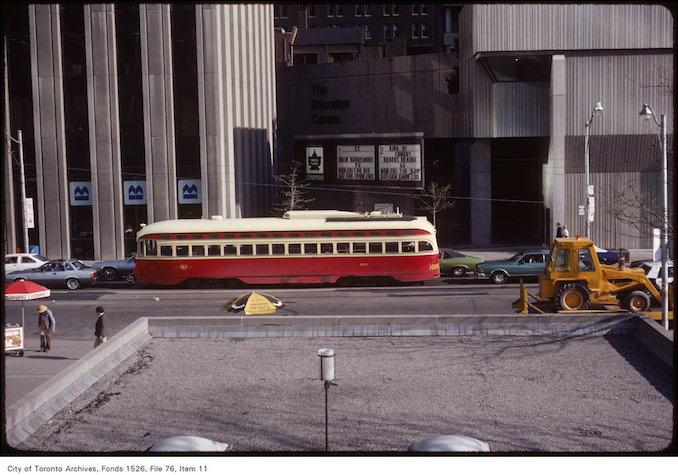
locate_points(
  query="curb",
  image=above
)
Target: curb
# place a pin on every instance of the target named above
(26, 416)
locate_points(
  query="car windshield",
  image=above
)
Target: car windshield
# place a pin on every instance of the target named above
(516, 257)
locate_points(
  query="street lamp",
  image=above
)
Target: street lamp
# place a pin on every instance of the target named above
(646, 114)
(597, 110)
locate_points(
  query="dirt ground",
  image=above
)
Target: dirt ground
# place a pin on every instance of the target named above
(263, 395)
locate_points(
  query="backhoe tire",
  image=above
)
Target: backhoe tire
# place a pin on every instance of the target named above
(637, 301)
(573, 297)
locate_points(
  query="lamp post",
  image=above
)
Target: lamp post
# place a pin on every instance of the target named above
(646, 114)
(597, 110)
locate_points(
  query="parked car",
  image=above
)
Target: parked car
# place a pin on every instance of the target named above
(23, 261)
(607, 257)
(58, 273)
(653, 271)
(113, 270)
(523, 264)
(455, 263)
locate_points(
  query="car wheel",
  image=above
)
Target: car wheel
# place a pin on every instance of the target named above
(572, 297)
(73, 284)
(637, 301)
(499, 277)
(108, 273)
(459, 271)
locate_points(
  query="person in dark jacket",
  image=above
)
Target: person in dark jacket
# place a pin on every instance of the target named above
(47, 325)
(101, 327)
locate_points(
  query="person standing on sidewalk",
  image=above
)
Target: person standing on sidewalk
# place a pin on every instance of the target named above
(47, 325)
(101, 327)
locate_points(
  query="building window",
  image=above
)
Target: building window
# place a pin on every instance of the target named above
(395, 30)
(424, 9)
(424, 30)
(368, 32)
(387, 30)
(415, 30)
(283, 10)
(368, 10)
(359, 9)
(415, 9)
(394, 9)
(330, 10)
(340, 9)
(387, 10)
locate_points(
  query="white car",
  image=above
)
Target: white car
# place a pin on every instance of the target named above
(653, 271)
(23, 261)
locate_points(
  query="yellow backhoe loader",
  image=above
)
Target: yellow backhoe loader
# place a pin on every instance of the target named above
(574, 280)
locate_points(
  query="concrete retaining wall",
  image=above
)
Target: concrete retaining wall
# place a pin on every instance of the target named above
(41, 404)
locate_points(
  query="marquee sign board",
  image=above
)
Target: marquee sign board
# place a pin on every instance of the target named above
(189, 192)
(134, 192)
(355, 162)
(80, 193)
(400, 162)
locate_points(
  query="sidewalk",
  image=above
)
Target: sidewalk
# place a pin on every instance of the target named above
(25, 373)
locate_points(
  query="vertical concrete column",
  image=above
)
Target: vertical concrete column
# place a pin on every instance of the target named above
(480, 156)
(49, 130)
(216, 104)
(553, 172)
(104, 131)
(158, 106)
(10, 227)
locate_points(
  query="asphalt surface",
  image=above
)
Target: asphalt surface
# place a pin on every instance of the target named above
(262, 395)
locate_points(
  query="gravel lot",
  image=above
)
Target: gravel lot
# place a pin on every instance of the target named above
(520, 394)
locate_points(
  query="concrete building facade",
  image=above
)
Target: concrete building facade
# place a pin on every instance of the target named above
(504, 121)
(133, 113)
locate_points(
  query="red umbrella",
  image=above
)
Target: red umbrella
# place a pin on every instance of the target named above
(25, 290)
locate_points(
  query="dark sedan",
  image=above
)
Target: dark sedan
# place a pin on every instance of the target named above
(70, 273)
(523, 264)
(116, 269)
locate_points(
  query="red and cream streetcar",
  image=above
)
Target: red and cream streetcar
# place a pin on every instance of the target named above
(301, 247)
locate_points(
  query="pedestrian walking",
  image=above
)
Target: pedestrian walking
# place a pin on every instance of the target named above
(101, 328)
(566, 233)
(47, 325)
(559, 230)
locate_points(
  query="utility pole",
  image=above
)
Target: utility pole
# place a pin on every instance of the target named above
(22, 180)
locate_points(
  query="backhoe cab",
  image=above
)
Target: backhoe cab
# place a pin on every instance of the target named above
(573, 279)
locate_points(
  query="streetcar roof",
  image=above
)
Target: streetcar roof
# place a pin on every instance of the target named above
(296, 221)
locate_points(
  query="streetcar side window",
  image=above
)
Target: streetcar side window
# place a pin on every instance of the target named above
(165, 250)
(376, 248)
(359, 248)
(262, 250)
(311, 248)
(278, 249)
(197, 250)
(343, 247)
(326, 248)
(392, 247)
(408, 246)
(230, 250)
(294, 248)
(425, 246)
(182, 250)
(214, 250)
(246, 249)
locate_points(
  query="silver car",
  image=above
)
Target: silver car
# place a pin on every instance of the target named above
(70, 273)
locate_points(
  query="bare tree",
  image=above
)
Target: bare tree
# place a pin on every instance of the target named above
(638, 210)
(436, 198)
(292, 190)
